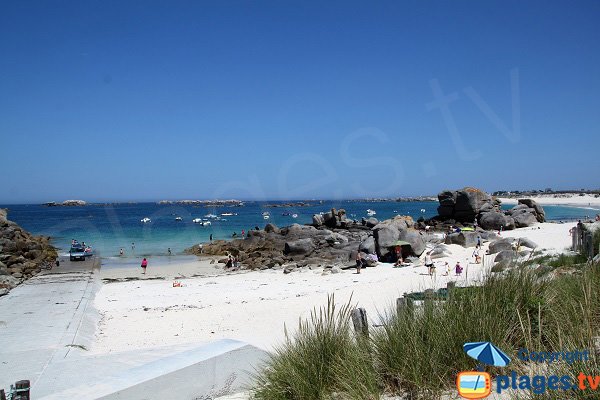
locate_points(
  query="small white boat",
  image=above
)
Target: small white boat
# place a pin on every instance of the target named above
(200, 221)
(294, 215)
(145, 220)
(265, 213)
(178, 219)
(211, 216)
(422, 210)
(228, 214)
(266, 217)
(371, 212)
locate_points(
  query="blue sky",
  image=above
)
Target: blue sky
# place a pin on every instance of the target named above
(146, 100)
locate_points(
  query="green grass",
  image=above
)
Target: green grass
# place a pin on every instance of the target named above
(418, 351)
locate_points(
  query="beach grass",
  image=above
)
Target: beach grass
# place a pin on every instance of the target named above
(418, 350)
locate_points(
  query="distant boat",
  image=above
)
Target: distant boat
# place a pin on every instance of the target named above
(199, 221)
(211, 216)
(145, 220)
(294, 215)
(285, 214)
(228, 214)
(178, 219)
(371, 212)
(266, 216)
(422, 210)
(265, 213)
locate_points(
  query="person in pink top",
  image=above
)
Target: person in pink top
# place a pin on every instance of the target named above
(144, 265)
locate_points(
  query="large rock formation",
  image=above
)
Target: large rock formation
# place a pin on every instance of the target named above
(21, 254)
(332, 239)
(469, 204)
(464, 205)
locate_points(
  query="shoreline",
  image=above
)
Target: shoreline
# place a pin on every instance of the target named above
(258, 306)
(567, 200)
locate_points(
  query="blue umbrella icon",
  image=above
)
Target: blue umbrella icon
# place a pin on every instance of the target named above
(486, 353)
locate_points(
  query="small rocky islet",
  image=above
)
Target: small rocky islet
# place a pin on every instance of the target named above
(332, 239)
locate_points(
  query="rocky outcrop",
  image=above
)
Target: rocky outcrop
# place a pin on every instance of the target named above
(67, 203)
(496, 221)
(465, 205)
(332, 239)
(465, 239)
(21, 254)
(500, 245)
(539, 210)
(527, 213)
(470, 205)
(388, 232)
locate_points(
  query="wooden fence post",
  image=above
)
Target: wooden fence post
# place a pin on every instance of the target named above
(22, 388)
(449, 288)
(404, 304)
(359, 319)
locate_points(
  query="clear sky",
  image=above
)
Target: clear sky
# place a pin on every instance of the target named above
(146, 100)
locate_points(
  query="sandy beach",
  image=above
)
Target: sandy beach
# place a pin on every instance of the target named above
(567, 199)
(254, 306)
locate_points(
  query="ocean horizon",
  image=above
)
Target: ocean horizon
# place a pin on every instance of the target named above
(109, 227)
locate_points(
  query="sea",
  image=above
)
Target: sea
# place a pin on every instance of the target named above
(108, 228)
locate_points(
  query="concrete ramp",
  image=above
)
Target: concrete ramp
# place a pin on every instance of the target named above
(204, 372)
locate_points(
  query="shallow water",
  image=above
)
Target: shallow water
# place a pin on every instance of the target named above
(108, 228)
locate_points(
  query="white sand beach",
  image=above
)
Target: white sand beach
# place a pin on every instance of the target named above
(254, 306)
(567, 199)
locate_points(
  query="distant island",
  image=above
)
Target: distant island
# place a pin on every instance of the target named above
(67, 203)
(396, 199)
(205, 203)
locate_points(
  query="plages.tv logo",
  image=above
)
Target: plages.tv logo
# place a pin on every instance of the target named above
(478, 384)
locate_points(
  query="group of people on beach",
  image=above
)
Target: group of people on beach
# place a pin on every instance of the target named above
(233, 263)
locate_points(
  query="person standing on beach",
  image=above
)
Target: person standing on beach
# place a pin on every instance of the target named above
(429, 264)
(211, 237)
(121, 251)
(132, 246)
(144, 265)
(476, 255)
(359, 262)
(458, 269)
(169, 251)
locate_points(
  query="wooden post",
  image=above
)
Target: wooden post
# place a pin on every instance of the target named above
(404, 303)
(359, 319)
(450, 287)
(2, 395)
(22, 388)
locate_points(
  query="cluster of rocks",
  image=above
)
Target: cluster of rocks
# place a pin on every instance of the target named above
(21, 254)
(332, 239)
(470, 205)
(67, 203)
(507, 250)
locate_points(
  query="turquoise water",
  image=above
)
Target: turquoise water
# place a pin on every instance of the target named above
(109, 228)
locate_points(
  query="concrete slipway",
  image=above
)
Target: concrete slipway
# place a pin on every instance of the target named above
(47, 323)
